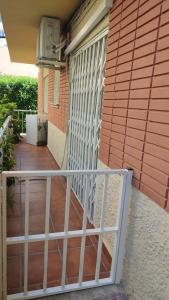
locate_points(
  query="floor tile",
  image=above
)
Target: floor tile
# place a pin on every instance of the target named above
(32, 158)
(73, 259)
(36, 224)
(36, 268)
(74, 243)
(14, 250)
(14, 209)
(14, 226)
(87, 277)
(38, 247)
(14, 272)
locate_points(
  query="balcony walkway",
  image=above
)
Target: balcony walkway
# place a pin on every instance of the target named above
(30, 157)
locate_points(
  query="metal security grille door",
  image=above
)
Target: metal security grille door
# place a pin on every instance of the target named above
(86, 85)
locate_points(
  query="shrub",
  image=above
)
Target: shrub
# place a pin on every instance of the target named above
(6, 109)
(20, 90)
(7, 150)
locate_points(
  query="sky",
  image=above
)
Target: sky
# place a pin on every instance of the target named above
(6, 67)
(10, 68)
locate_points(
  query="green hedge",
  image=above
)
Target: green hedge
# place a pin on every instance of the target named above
(20, 90)
(6, 109)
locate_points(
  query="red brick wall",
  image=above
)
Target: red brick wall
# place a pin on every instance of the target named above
(135, 115)
(40, 90)
(58, 115)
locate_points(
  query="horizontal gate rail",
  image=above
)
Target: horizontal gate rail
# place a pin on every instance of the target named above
(63, 173)
(59, 235)
(59, 289)
(118, 230)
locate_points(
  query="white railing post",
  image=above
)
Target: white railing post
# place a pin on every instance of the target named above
(122, 221)
(22, 121)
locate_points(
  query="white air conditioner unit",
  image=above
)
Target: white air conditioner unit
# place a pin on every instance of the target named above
(36, 129)
(49, 46)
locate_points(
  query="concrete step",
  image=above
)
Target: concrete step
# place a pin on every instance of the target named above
(100, 293)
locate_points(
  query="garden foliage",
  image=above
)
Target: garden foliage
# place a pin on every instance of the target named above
(19, 89)
(15, 93)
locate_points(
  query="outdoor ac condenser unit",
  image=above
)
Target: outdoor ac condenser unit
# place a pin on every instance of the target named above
(48, 40)
(36, 129)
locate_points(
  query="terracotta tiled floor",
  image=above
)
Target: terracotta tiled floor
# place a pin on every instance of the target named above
(29, 157)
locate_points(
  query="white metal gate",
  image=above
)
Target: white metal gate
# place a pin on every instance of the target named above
(117, 230)
(86, 87)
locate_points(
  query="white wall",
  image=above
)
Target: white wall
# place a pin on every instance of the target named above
(146, 269)
(146, 263)
(56, 144)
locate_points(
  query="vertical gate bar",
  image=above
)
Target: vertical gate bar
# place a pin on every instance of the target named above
(122, 219)
(4, 236)
(102, 220)
(84, 225)
(66, 225)
(47, 222)
(27, 183)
